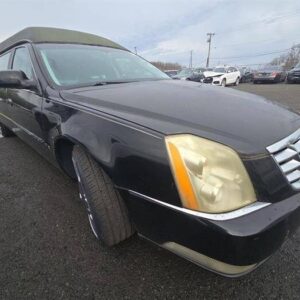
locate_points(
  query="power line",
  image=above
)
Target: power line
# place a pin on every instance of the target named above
(248, 65)
(257, 42)
(267, 21)
(255, 55)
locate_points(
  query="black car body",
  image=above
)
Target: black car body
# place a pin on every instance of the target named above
(159, 142)
(293, 76)
(269, 74)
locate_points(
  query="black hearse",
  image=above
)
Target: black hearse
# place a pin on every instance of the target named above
(211, 174)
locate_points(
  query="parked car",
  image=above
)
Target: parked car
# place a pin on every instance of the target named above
(246, 75)
(271, 74)
(293, 75)
(222, 75)
(203, 172)
(190, 74)
(201, 70)
(171, 73)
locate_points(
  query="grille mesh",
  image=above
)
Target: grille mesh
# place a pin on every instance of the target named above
(286, 153)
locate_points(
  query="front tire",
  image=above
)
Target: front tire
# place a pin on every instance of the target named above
(107, 213)
(223, 82)
(6, 132)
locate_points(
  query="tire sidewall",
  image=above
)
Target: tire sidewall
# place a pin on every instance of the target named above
(110, 220)
(88, 203)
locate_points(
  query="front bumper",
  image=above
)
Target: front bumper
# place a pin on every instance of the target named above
(231, 247)
(212, 80)
(265, 79)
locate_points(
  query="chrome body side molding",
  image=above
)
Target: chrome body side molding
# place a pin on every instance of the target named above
(216, 217)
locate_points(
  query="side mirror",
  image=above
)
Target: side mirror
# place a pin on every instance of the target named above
(16, 80)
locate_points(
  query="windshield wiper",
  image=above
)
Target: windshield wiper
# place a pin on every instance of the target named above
(109, 82)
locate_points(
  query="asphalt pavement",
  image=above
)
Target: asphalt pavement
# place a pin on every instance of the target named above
(47, 250)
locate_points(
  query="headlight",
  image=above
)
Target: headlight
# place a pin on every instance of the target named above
(210, 177)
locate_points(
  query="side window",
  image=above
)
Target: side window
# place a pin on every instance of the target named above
(22, 62)
(4, 59)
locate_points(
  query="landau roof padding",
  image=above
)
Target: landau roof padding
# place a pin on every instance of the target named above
(56, 35)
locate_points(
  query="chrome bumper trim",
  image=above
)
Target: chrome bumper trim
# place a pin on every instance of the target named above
(209, 263)
(216, 217)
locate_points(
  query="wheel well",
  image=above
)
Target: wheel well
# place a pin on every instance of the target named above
(63, 153)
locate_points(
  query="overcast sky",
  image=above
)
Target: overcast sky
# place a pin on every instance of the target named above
(167, 30)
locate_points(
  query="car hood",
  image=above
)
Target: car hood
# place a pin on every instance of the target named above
(243, 121)
(212, 74)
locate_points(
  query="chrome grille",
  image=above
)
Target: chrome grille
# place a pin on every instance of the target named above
(286, 153)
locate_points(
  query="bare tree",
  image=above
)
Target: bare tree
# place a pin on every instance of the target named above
(288, 60)
(166, 65)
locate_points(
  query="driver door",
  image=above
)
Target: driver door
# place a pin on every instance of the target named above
(4, 63)
(26, 104)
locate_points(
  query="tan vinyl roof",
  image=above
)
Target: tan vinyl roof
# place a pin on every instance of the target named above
(56, 35)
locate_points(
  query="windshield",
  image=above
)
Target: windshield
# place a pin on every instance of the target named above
(79, 65)
(220, 70)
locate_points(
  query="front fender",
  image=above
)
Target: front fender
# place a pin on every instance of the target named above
(134, 157)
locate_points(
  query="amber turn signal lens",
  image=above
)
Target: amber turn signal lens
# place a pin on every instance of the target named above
(182, 176)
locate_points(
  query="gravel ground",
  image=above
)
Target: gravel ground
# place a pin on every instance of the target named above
(286, 94)
(47, 250)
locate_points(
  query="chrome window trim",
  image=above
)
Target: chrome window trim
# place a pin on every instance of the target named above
(215, 217)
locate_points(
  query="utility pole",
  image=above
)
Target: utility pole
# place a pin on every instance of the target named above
(210, 35)
(191, 59)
